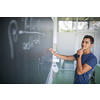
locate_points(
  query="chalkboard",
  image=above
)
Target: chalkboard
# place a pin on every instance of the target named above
(24, 49)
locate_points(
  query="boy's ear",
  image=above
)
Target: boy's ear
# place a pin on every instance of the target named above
(91, 45)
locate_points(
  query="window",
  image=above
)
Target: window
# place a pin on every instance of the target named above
(85, 23)
(95, 23)
(66, 24)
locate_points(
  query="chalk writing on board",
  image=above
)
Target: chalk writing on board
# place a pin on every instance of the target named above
(12, 34)
(29, 44)
(28, 32)
(29, 23)
(41, 61)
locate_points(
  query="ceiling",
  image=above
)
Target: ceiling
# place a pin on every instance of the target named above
(79, 18)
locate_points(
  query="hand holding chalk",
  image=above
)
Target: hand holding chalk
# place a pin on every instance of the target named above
(52, 51)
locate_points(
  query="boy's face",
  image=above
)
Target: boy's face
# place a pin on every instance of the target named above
(86, 43)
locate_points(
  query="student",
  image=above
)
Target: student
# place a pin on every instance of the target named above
(86, 60)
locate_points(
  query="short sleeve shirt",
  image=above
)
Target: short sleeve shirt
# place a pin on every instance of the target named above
(89, 59)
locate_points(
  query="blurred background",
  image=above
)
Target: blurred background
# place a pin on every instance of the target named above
(68, 35)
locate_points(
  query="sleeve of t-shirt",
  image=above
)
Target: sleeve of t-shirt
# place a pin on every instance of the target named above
(92, 62)
(75, 55)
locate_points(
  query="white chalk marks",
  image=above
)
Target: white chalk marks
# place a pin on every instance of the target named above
(28, 32)
(31, 29)
(29, 44)
(12, 35)
(41, 62)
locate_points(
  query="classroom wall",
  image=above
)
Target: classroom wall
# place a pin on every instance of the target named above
(62, 44)
(61, 40)
(66, 43)
(97, 45)
(55, 30)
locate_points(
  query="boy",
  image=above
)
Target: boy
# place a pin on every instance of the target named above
(86, 60)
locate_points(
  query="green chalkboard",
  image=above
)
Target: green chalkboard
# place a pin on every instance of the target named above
(24, 54)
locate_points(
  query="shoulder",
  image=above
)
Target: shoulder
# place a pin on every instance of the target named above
(92, 56)
(92, 60)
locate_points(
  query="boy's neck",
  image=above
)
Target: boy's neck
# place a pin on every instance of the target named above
(86, 52)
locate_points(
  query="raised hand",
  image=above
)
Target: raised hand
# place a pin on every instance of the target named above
(80, 52)
(52, 51)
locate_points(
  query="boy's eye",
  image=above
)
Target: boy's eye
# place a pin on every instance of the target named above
(86, 42)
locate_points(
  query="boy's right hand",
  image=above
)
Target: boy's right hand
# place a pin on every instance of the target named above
(52, 51)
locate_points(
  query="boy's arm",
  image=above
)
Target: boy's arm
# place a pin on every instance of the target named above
(81, 69)
(64, 57)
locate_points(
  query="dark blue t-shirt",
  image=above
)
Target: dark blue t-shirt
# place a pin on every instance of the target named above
(89, 59)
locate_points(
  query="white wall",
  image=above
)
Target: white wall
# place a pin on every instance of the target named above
(97, 45)
(66, 43)
(55, 30)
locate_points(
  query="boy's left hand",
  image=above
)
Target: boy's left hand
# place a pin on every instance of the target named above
(80, 52)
